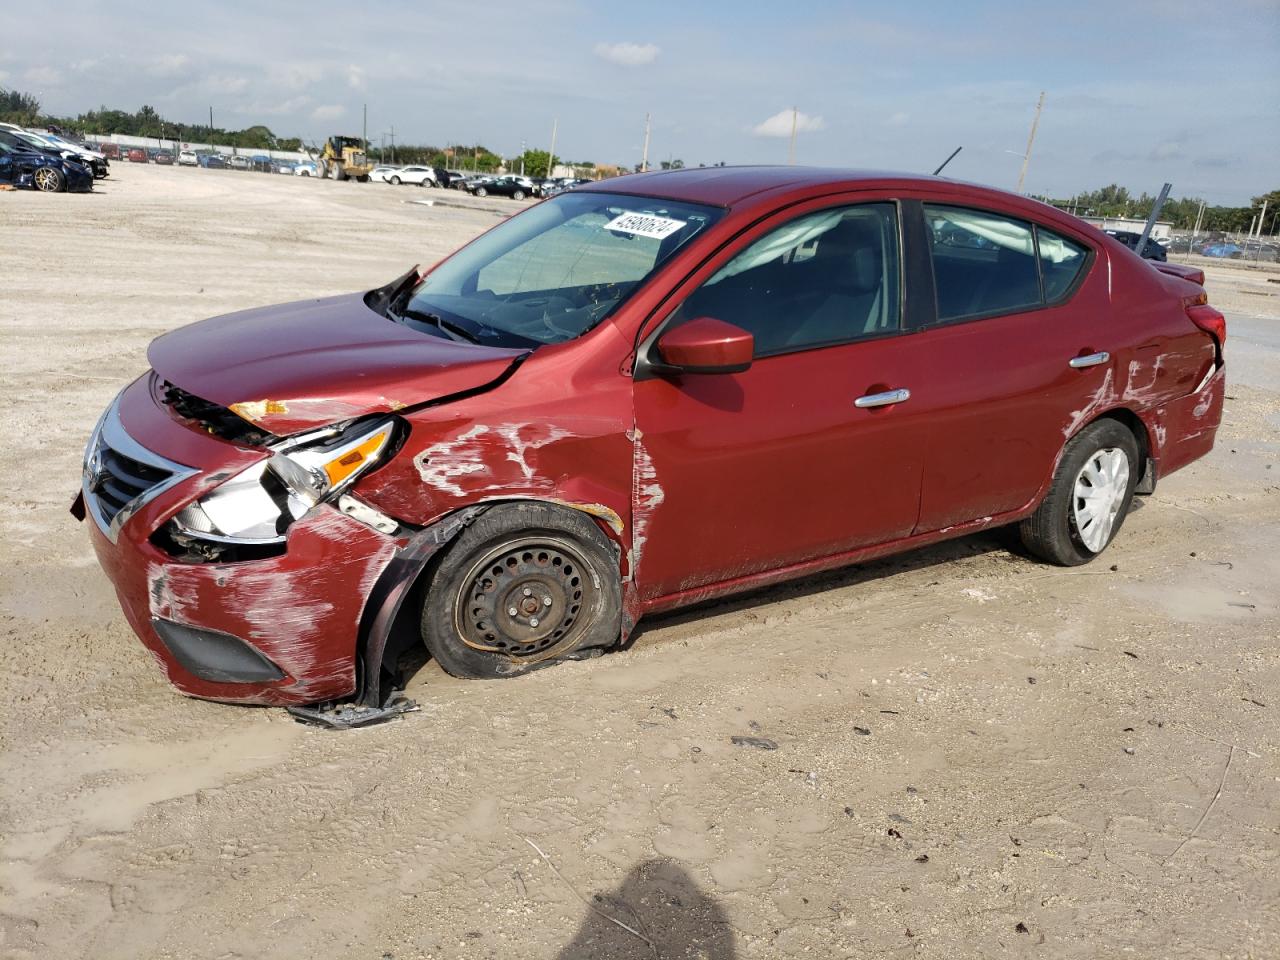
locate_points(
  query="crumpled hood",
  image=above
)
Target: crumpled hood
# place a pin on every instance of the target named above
(298, 366)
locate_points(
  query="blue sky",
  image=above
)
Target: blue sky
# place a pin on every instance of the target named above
(1137, 92)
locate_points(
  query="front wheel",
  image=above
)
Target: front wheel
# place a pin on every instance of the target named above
(1089, 497)
(518, 195)
(49, 180)
(395, 181)
(481, 192)
(524, 583)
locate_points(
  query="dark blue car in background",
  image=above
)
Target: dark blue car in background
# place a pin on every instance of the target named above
(42, 171)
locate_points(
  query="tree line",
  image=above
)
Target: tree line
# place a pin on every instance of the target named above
(1114, 200)
(24, 110)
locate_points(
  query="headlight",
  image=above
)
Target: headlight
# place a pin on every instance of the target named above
(257, 505)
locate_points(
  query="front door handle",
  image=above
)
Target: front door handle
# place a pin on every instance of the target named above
(1092, 360)
(882, 399)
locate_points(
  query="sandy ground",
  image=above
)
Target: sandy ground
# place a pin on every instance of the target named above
(978, 756)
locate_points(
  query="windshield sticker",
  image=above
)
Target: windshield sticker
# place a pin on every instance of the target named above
(645, 225)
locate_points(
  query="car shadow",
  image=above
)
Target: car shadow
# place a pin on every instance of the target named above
(664, 905)
(999, 541)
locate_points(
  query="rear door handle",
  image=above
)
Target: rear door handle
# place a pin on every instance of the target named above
(1092, 360)
(882, 399)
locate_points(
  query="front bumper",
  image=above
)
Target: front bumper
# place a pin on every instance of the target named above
(277, 631)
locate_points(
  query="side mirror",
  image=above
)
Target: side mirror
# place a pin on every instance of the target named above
(706, 345)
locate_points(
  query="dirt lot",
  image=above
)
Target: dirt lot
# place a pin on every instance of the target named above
(978, 756)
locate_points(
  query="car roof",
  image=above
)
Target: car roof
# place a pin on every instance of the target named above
(728, 186)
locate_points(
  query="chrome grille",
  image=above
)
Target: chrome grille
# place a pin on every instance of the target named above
(121, 475)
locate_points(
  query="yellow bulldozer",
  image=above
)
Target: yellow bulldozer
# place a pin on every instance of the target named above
(344, 158)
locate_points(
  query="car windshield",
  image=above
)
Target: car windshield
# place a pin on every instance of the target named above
(555, 271)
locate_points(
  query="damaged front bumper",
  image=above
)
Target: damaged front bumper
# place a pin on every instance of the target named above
(279, 630)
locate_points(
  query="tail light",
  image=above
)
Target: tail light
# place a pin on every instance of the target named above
(1207, 319)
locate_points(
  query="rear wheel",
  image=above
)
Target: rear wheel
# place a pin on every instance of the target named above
(524, 583)
(339, 173)
(518, 195)
(1089, 498)
(395, 181)
(49, 179)
(481, 192)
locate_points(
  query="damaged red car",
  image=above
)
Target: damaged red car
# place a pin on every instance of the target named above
(637, 395)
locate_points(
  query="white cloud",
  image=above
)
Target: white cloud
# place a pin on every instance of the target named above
(329, 111)
(355, 77)
(226, 83)
(628, 54)
(4, 76)
(899, 119)
(779, 125)
(168, 65)
(42, 76)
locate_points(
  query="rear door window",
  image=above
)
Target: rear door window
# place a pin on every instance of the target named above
(983, 263)
(1061, 262)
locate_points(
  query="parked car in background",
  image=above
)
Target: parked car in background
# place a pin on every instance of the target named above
(515, 187)
(164, 158)
(261, 163)
(137, 155)
(239, 162)
(111, 151)
(307, 168)
(188, 158)
(213, 161)
(458, 179)
(519, 439)
(1222, 248)
(381, 172)
(95, 162)
(281, 166)
(42, 171)
(416, 174)
(1153, 251)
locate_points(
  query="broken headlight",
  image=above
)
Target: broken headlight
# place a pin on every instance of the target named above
(257, 505)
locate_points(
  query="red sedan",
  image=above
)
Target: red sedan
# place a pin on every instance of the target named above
(640, 394)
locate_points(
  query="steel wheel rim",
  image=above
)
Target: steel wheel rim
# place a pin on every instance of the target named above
(1097, 496)
(46, 179)
(548, 584)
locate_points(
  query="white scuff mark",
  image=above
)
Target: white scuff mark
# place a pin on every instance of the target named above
(441, 464)
(1201, 408)
(649, 495)
(1143, 393)
(980, 595)
(1101, 397)
(511, 433)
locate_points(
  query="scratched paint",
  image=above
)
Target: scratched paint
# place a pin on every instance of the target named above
(1102, 398)
(648, 496)
(442, 464)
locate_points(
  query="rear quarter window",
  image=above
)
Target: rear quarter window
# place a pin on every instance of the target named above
(1061, 262)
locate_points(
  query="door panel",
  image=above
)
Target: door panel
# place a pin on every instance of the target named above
(1004, 391)
(775, 465)
(748, 472)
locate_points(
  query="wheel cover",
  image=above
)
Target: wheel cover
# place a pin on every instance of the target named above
(527, 599)
(1098, 495)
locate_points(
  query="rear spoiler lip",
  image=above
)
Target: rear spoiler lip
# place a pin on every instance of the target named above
(1194, 274)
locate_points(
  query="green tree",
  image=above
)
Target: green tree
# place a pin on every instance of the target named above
(18, 107)
(537, 163)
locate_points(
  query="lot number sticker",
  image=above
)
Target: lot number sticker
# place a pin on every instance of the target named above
(645, 225)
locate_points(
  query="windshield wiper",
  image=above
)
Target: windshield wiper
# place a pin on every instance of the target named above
(452, 329)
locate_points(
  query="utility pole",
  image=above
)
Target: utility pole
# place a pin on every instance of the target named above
(791, 149)
(522, 153)
(211, 126)
(644, 156)
(551, 160)
(1261, 217)
(1191, 246)
(364, 133)
(1026, 157)
(392, 134)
